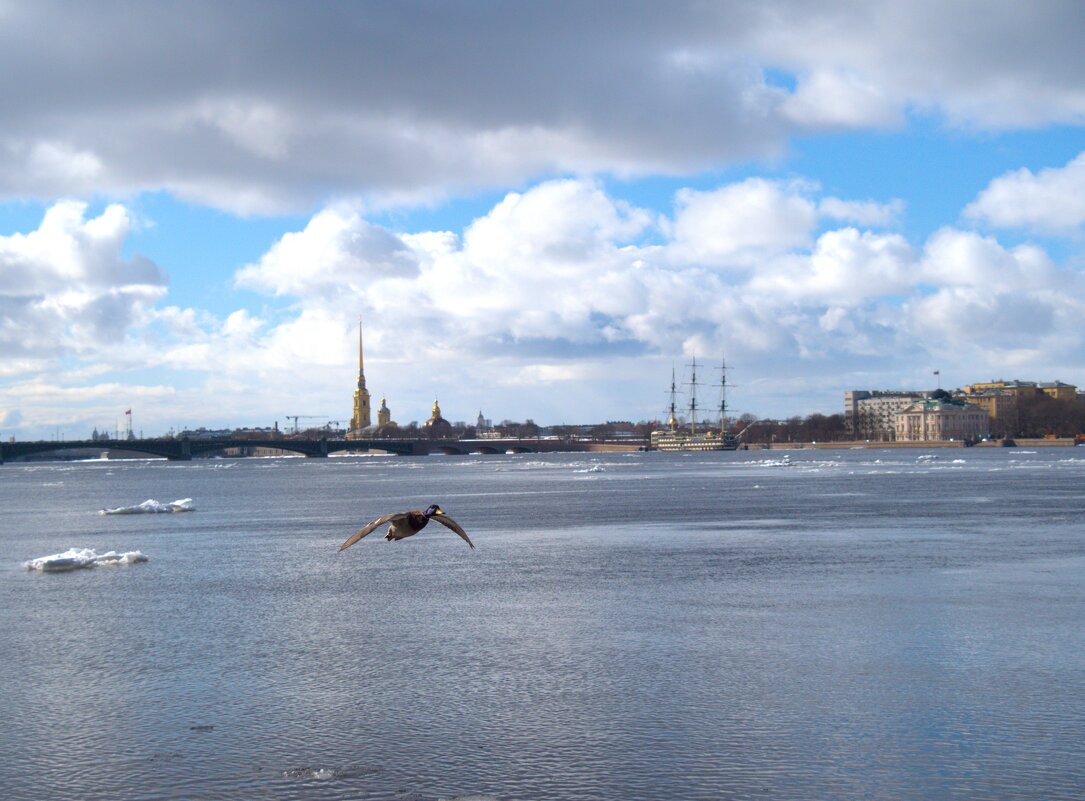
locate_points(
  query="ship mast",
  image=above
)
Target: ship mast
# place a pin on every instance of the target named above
(672, 421)
(693, 398)
(723, 396)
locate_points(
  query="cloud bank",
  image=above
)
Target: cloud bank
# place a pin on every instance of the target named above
(561, 287)
(264, 106)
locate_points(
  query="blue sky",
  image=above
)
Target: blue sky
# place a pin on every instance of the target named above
(538, 210)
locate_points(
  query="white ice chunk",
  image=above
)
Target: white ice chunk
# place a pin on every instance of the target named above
(152, 506)
(75, 558)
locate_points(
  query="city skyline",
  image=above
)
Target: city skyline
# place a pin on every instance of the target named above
(537, 210)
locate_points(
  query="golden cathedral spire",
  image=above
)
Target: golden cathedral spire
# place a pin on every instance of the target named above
(362, 417)
(361, 356)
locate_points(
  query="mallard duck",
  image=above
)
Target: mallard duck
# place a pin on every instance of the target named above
(406, 524)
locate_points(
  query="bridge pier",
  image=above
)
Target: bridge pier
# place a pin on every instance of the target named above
(183, 454)
(321, 451)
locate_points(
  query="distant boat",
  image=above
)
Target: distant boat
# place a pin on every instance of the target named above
(674, 438)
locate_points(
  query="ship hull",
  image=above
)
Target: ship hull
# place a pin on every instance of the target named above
(691, 442)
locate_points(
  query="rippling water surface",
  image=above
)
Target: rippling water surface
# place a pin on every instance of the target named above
(826, 625)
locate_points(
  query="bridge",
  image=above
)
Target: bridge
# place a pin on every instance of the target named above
(185, 449)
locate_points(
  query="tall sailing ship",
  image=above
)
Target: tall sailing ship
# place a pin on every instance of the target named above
(676, 438)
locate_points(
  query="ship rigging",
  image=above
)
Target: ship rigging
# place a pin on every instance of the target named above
(673, 438)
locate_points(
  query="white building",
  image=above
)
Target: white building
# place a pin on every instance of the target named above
(870, 414)
(942, 420)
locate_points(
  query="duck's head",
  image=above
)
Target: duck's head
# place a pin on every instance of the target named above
(433, 510)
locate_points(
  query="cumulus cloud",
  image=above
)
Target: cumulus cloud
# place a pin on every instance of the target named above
(846, 267)
(986, 304)
(259, 107)
(964, 258)
(337, 252)
(67, 287)
(1051, 200)
(742, 222)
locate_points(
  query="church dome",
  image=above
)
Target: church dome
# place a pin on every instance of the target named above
(437, 426)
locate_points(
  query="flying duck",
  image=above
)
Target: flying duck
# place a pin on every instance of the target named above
(406, 524)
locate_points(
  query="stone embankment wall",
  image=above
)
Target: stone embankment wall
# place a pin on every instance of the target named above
(996, 443)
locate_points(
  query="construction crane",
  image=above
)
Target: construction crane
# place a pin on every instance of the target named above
(296, 417)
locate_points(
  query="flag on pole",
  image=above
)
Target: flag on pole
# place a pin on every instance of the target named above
(128, 412)
(938, 372)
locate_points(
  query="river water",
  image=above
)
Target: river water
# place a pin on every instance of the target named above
(866, 624)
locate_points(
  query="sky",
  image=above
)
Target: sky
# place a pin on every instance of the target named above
(538, 209)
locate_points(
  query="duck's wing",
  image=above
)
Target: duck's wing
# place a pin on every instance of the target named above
(380, 521)
(445, 520)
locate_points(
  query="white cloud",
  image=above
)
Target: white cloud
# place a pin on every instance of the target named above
(862, 212)
(742, 222)
(67, 287)
(1051, 200)
(965, 259)
(840, 99)
(545, 375)
(987, 304)
(337, 252)
(845, 267)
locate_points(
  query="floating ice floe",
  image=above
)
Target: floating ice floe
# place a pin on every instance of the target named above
(312, 773)
(151, 506)
(75, 558)
(783, 461)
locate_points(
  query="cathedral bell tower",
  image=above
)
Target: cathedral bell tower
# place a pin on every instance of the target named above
(384, 416)
(362, 418)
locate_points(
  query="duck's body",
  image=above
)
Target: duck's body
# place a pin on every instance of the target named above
(407, 524)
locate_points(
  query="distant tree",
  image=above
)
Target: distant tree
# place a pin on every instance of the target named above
(1039, 415)
(603, 431)
(793, 429)
(825, 428)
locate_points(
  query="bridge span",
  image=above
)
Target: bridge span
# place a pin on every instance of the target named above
(186, 449)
